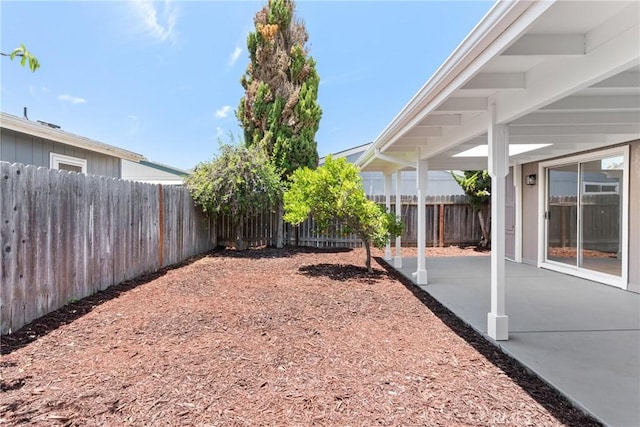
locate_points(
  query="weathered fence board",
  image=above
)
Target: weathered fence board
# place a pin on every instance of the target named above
(460, 226)
(66, 236)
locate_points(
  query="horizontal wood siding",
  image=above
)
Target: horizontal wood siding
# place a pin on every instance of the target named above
(17, 147)
(65, 236)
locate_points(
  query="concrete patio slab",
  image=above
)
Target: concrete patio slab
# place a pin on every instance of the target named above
(581, 337)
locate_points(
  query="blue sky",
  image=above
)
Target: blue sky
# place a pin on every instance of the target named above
(163, 78)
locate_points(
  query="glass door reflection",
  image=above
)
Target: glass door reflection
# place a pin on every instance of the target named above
(601, 215)
(562, 214)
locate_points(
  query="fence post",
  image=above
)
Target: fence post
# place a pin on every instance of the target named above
(160, 225)
(441, 225)
(435, 225)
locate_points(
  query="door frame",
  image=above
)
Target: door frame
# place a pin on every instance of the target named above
(608, 279)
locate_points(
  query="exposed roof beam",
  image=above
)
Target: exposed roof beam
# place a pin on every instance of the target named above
(395, 160)
(458, 163)
(411, 141)
(548, 83)
(442, 120)
(423, 131)
(547, 44)
(575, 129)
(593, 118)
(585, 102)
(622, 80)
(464, 104)
(496, 81)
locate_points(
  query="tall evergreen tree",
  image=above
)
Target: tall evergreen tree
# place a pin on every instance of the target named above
(279, 111)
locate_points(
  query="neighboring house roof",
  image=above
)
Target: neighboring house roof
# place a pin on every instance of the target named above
(152, 172)
(46, 131)
(349, 152)
(561, 73)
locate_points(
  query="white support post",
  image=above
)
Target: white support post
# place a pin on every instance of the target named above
(397, 261)
(421, 177)
(387, 195)
(497, 320)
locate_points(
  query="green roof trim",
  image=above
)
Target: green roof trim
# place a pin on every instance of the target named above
(164, 168)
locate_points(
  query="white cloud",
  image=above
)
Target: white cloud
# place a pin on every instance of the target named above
(72, 99)
(45, 89)
(235, 55)
(134, 125)
(223, 112)
(219, 132)
(158, 22)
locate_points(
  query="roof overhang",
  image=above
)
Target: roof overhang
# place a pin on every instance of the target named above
(564, 75)
(17, 124)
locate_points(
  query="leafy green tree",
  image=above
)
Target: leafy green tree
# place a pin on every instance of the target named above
(332, 194)
(279, 111)
(477, 187)
(25, 57)
(239, 182)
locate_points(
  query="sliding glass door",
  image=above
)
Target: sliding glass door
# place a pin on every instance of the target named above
(562, 214)
(584, 215)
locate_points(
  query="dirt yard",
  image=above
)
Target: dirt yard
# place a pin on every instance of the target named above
(267, 337)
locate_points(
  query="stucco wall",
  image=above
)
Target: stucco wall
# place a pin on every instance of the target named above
(16, 147)
(530, 216)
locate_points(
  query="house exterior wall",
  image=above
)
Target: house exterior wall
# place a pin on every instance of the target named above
(17, 147)
(139, 172)
(530, 216)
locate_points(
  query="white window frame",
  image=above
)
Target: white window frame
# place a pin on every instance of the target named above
(55, 159)
(600, 185)
(617, 281)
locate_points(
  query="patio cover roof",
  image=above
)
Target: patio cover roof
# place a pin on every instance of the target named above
(563, 73)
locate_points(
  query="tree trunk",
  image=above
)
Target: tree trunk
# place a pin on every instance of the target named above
(280, 229)
(367, 246)
(484, 243)
(239, 232)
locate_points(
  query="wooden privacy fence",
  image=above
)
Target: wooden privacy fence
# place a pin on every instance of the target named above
(449, 221)
(66, 236)
(600, 222)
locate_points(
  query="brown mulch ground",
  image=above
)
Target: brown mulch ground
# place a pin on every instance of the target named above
(266, 337)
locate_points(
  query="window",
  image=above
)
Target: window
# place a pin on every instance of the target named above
(68, 163)
(600, 188)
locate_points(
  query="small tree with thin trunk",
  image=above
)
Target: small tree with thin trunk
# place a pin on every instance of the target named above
(333, 195)
(239, 182)
(477, 187)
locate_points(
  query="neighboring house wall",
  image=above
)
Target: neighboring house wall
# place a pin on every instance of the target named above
(530, 216)
(439, 182)
(151, 173)
(17, 147)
